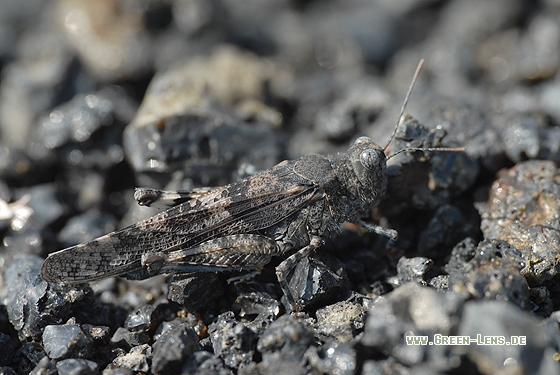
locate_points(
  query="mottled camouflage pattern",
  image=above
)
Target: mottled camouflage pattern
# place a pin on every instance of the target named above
(238, 227)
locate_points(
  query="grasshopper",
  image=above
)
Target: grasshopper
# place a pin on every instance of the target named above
(286, 211)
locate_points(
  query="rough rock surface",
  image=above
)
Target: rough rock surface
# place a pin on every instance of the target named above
(97, 98)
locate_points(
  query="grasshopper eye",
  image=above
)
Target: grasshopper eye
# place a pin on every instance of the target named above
(369, 159)
(362, 140)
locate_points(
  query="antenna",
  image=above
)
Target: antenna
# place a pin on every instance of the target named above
(414, 79)
(451, 149)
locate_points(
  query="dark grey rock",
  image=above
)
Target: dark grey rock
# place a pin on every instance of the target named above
(66, 341)
(207, 148)
(124, 337)
(232, 341)
(260, 323)
(99, 334)
(7, 349)
(388, 366)
(204, 363)
(545, 97)
(85, 131)
(413, 270)
(166, 326)
(316, 280)
(117, 371)
(14, 213)
(31, 241)
(250, 368)
(447, 226)
(196, 291)
(254, 299)
(195, 118)
(462, 254)
(121, 51)
(37, 79)
(353, 113)
(332, 358)
(89, 188)
(18, 168)
(513, 47)
(45, 366)
(31, 234)
(283, 367)
(86, 227)
(62, 301)
(192, 17)
(541, 301)
(75, 366)
(440, 282)
(521, 139)
(425, 180)
(283, 345)
(17, 16)
(6, 196)
(140, 318)
(419, 311)
(5, 370)
(552, 327)
(26, 290)
(467, 125)
(491, 249)
(489, 270)
(503, 319)
(33, 354)
(172, 348)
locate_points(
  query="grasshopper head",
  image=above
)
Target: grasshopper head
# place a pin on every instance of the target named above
(369, 165)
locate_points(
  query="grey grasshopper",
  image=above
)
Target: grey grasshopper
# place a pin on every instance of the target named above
(286, 211)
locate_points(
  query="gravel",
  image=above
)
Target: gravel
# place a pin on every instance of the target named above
(97, 100)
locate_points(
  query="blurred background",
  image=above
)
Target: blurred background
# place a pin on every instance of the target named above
(98, 97)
